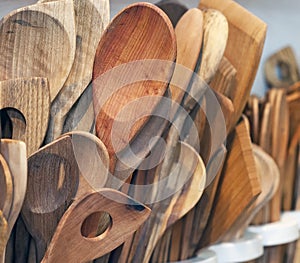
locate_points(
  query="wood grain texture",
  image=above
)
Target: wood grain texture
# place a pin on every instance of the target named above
(244, 46)
(6, 186)
(173, 8)
(238, 188)
(39, 41)
(14, 152)
(281, 69)
(126, 214)
(91, 19)
(189, 32)
(31, 97)
(269, 177)
(3, 234)
(214, 43)
(59, 173)
(168, 211)
(128, 38)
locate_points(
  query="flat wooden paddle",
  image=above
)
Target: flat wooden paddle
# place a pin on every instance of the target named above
(126, 214)
(173, 8)
(39, 41)
(129, 38)
(59, 173)
(30, 96)
(91, 19)
(14, 152)
(244, 46)
(239, 186)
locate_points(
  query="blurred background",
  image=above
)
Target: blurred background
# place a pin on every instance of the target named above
(283, 21)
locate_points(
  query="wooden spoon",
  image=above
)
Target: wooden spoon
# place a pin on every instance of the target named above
(91, 19)
(14, 152)
(65, 169)
(3, 234)
(39, 41)
(33, 102)
(173, 8)
(126, 215)
(6, 185)
(239, 186)
(281, 69)
(245, 40)
(122, 43)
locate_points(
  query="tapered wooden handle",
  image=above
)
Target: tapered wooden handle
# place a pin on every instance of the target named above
(69, 244)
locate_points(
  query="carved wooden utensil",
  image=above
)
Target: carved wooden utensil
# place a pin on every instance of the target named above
(33, 102)
(3, 234)
(245, 40)
(68, 242)
(91, 19)
(281, 69)
(6, 186)
(189, 168)
(239, 186)
(173, 8)
(39, 41)
(269, 177)
(59, 173)
(119, 49)
(14, 152)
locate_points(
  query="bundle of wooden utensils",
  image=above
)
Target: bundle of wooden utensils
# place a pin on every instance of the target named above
(125, 140)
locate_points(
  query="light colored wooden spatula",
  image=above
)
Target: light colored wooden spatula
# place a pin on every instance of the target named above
(68, 242)
(14, 153)
(39, 41)
(31, 97)
(122, 43)
(239, 186)
(244, 46)
(91, 19)
(6, 186)
(59, 173)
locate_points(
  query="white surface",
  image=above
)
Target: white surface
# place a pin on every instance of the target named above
(249, 247)
(282, 17)
(277, 233)
(295, 215)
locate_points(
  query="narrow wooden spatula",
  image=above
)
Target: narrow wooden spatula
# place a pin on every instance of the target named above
(69, 243)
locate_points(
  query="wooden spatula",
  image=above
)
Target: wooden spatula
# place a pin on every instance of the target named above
(31, 97)
(14, 153)
(91, 19)
(59, 173)
(173, 8)
(39, 41)
(269, 178)
(245, 40)
(239, 186)
(6, 186)
(126, 217)
(281, 69)
(130, 38)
